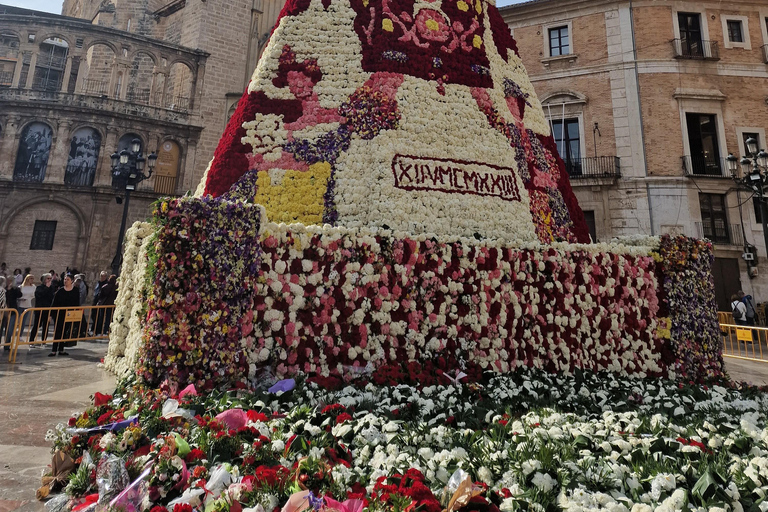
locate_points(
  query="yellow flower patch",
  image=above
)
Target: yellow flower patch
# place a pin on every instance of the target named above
(294, 196)
(387, 25)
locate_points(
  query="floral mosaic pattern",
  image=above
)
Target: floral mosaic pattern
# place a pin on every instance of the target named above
(437, 80)
(690, 294)
(207, 260)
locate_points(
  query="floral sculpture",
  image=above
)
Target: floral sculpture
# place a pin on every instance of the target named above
(417, 115)
(415, 212)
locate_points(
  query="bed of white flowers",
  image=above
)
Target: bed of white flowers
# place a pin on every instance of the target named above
(529, 440)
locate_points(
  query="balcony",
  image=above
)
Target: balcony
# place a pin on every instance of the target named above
(765, 53)
(95, 87)
(92, 103)
(593, 167)
(47, 84)
(697, 50)
(720, 233)
(700, 166)
(164, 185)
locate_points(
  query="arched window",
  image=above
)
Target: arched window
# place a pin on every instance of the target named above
(34, 150)
(167, 167)
(83, 157)
(125, 142)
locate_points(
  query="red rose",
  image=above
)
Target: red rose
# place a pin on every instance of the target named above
(100, 399)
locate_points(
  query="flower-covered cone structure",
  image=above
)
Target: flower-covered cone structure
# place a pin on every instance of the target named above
(415, 115)
(411, 218)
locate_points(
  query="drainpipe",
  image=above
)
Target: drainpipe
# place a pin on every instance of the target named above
(640, 112)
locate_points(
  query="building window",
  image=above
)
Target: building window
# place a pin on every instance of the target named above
(703, 143)
(735, 31)
(714, 221)
(43, 235)
(559, 41)
(568, 139)
(589, 218)
(690, 34)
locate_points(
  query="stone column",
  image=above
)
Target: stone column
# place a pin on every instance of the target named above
(57, 161)
(186, 178)
(17, 70)
(67, 73)
(81, 74)
(8, 146)
(31, 73)
(104, 167)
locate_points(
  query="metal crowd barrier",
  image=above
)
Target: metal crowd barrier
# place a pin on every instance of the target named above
(72, 324)
(745, 342)
(8, 322)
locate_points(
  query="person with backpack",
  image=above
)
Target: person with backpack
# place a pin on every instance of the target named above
(750, 305)
(739, 310)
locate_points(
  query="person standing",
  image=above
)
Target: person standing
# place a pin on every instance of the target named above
(65, 297)
(739, 310)
(26, 300)
(107, 298)
(12, 294)
(97, 320)
(749, 305)
(18, 277)
(43, 299)
(83, 289)
(3, 314)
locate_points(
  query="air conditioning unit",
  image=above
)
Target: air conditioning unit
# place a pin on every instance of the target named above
(748, 256)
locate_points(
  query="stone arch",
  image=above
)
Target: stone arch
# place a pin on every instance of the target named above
(141, 76)
(56, 35)
(96, 67)
(17, 228)
(563, 96)
(180, 85)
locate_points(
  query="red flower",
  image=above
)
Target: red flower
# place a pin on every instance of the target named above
(255, 416)
(100, 399)
(341, 418)
(195, 455)
(182, 507)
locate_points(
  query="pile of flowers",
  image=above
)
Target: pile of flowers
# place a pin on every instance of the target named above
(202, 268)
(523, 441)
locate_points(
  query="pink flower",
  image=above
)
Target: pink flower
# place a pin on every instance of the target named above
(432, 25)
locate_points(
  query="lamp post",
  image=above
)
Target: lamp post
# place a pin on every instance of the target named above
(127, 173)
(754, 177)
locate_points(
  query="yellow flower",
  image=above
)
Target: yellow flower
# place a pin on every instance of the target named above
(462, 5)
(433, 25)
(294, 196)
(477, 41)
(478, 7)
(387, 25)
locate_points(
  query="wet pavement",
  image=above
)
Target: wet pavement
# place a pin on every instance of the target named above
(39, 392)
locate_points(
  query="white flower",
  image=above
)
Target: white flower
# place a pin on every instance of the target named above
(485, 475)
(543, 482)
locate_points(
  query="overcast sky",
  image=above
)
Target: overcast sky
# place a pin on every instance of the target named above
(54, 6)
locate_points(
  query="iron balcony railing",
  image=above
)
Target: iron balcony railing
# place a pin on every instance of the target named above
(765, 53)
(696, 49)
(720, 232)
(47, 84)
(165, 185)
(95, 87)
(705, 166)
(593, 167)
(138, 96)
(6, 78)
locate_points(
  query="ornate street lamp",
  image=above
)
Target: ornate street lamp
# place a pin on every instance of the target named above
(751, 172)
(127, 173)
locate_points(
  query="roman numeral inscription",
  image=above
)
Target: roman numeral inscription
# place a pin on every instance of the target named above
(455, 176)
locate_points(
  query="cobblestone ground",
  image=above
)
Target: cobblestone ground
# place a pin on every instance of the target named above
(39, 392)
(35, 394)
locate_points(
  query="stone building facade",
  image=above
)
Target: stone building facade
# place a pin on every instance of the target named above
(168, 71)
(647, 98)
(69, 98)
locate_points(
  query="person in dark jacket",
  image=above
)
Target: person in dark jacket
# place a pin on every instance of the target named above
(12, 294)
(43, 299)
(97, 320)
(66, 297)
(107, 297)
